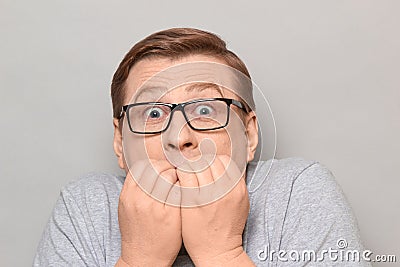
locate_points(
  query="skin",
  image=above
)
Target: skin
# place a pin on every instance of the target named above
(152, 232)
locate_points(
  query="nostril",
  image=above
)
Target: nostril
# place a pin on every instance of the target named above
(188, 144)
(174, 147)
(171, 146)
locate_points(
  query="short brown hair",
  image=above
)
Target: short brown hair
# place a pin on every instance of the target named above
(172, 43)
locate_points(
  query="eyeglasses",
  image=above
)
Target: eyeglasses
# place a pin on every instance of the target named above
(200, 114)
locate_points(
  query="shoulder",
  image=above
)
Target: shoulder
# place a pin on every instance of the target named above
(302, 206)
(285, 171)
(296, 181)
(84, 221)
(93, 188)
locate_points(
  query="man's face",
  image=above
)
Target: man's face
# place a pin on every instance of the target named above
(179, 137)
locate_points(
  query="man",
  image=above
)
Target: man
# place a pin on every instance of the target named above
(191, 194)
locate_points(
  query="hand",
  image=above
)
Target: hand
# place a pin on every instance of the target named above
(212, 234)
(150, 230)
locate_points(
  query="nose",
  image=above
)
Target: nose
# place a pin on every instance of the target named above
(179, 136)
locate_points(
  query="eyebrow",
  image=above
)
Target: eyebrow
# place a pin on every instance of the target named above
(199, 87)
(149, 90)
(194, 87)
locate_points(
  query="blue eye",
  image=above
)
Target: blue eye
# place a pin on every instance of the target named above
(154, 113)
(203, 110)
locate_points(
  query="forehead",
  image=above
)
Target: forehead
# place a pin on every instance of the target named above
(188, 91)
(154, 77)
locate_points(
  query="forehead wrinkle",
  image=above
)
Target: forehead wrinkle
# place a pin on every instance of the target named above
(162, 89)
(149, 91)
(200, 87)
(152, 86)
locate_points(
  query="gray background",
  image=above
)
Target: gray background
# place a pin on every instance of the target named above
(330, 70)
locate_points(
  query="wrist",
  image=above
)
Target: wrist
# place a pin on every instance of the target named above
(130, 256)
(241, 260)
(141, 261)
(236, 257)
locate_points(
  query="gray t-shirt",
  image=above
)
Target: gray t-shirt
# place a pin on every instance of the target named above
(298, 216)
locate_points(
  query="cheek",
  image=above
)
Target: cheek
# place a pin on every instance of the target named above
(154, 147)
(222, 142)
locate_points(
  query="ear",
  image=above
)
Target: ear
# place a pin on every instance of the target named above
(118, 144)
(252, 134)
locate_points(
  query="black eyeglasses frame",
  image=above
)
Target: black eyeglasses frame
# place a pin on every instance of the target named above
(180, 106)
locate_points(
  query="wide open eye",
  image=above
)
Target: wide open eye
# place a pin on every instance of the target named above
(154, 113)
(204, 110)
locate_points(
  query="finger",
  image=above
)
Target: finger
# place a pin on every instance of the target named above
(217, 169)
(130, 184)
(137, 169)
(205, 176)
(130, 194)
(221, 183)
(163, 184)
(236, 179)
(174, 197)
(189, 186)
(186, 177)
(151, 173)
(232, 170)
